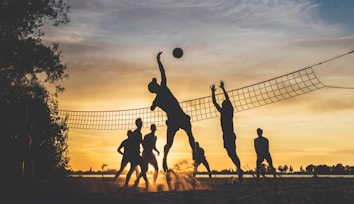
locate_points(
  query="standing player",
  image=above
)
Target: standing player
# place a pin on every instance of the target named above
(132, 154)
(149, 144)
(261, 145)
(129, 156)
(227, 126)
(176, 118)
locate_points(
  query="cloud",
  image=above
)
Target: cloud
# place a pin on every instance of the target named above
(219, 27)
(175, 18)
(345, 151)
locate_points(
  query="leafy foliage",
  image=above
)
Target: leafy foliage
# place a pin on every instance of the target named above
(34, 137)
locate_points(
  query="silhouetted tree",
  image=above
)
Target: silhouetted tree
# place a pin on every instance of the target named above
(310, 169)
(291, 169)
(285, 168)
(280, 168)
(338, 169)
(323, 169)
(302, 169)
(31, 131)
(350, 170)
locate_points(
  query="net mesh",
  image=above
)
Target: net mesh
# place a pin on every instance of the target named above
(245, 98)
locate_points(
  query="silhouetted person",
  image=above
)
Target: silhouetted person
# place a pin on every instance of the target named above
(132, 153)
(137, 135)
(136, 143)
(261, 145)
(176, 118)
(129, 155)
(149, 144)
(199, 158)
(227, 126)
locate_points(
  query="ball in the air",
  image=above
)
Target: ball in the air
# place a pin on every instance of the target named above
(177, 52)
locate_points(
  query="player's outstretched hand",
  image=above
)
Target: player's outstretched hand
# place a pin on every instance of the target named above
(213, 88)
(158, 55)
(221, 84)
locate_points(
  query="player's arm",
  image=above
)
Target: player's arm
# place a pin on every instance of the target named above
(153, 106)
(155, 148)
(255, 146)
(223, 89)
(267, 144)
(214, 99)
(119, 149)
(162, 70)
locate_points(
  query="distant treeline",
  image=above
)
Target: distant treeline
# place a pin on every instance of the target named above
(338, 169)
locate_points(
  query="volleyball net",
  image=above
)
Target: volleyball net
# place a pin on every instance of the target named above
(245, 98)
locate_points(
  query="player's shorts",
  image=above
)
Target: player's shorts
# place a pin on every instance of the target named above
(179, 122)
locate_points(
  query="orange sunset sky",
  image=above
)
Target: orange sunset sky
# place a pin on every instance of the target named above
(110, 49)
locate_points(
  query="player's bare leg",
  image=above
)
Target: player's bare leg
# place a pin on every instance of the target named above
(166, 149)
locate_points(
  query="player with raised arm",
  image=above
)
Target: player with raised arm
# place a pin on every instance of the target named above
(176, 118)
(227, 126)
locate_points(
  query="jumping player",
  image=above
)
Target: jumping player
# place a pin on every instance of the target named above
(176, 118)
(227, 126)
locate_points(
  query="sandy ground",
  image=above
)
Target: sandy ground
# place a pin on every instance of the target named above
(102, 190)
